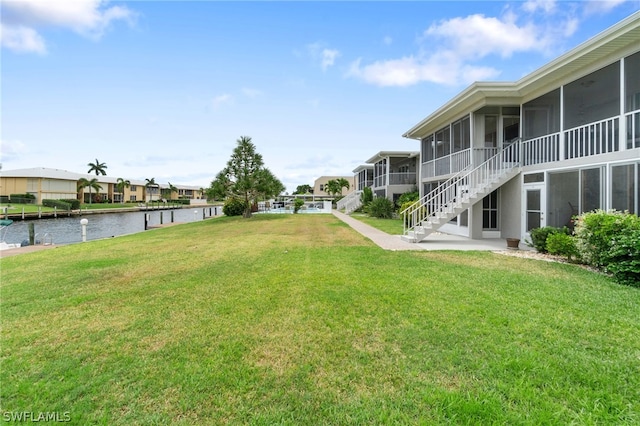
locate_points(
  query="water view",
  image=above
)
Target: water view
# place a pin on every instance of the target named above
(67, 230)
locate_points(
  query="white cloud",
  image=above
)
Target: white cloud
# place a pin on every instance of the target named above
(451, 50)
(407, 71)
(477, 36)
(21, 20)
(601, 6)
(219, 100)
(329, 58)
(532, 6)
(325, 56)
(22, 39)
(387, 41)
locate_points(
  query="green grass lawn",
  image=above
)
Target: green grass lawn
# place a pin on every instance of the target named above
(297, 319)
(16, 208)
(390, 226)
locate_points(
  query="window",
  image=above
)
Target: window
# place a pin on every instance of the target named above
(534, 178)
(132, 198)
(591, 194)
(443, 142)
(133, 188)
(632, 82)
(542, 115)
(490, 131)
(592, 98)
(490, 211)
(428, 149)
(624, 187)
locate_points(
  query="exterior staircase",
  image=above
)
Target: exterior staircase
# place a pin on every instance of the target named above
(460, 192)
(350, 202)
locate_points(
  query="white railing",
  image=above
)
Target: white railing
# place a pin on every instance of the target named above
(379, 181)
(408, 178)
(428, 169)
(350, 202)
(460, 160)
(452, 193)
(541, 150)
(633, 129)
(480, 155)
(596, 138)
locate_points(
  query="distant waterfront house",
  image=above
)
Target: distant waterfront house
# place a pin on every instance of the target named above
(502, 158)
(47, 183)
(43, 183)
(320, 185)
(394, 173)
(363, 176)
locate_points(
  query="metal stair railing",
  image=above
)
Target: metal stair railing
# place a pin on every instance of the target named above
(460, 188)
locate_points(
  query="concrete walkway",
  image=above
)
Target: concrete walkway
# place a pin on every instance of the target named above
(435, 241)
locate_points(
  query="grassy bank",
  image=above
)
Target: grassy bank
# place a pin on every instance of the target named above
(296, 319)
(390, 226)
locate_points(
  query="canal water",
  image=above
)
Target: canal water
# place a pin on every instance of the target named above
(67, 230)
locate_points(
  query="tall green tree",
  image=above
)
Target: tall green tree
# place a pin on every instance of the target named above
(169, 190)
(91, 184)
(151, 184)
(333, 187)
(343, 184)
(98, 167)
(121, 184)
(304, 189)
(245, 176)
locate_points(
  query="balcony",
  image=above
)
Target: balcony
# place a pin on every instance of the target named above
(407, 178)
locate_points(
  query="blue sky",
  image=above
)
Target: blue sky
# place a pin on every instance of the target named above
(164, 89)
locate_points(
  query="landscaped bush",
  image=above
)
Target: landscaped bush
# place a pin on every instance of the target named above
(183, 201)
(297, 204)
(596, 231)
(75, 203)
(62, 205)
(563, 245)
(539, 236)
(22, 198)
(381, 207)
(234, 207)
(367, 196)
(611, 241)
(412, 197)
(624, 258)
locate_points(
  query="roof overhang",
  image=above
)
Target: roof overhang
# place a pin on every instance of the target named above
(388, 154)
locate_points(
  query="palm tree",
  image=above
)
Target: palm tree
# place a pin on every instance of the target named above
(91, 184)
(121, 185)
(343, 184)
(97, 167)
(170, 190)
(151, 183)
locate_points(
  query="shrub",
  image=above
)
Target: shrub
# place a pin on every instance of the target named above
(596, 231)
(297, 204)
(57, 203)
(624, 258)
(381, 207)
(367, 196)
(539, 236)
(74, 202)
(22, 198)
(563, 245)
(407, 197)
(234, 207)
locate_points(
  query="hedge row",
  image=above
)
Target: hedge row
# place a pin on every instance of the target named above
(606, 240)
